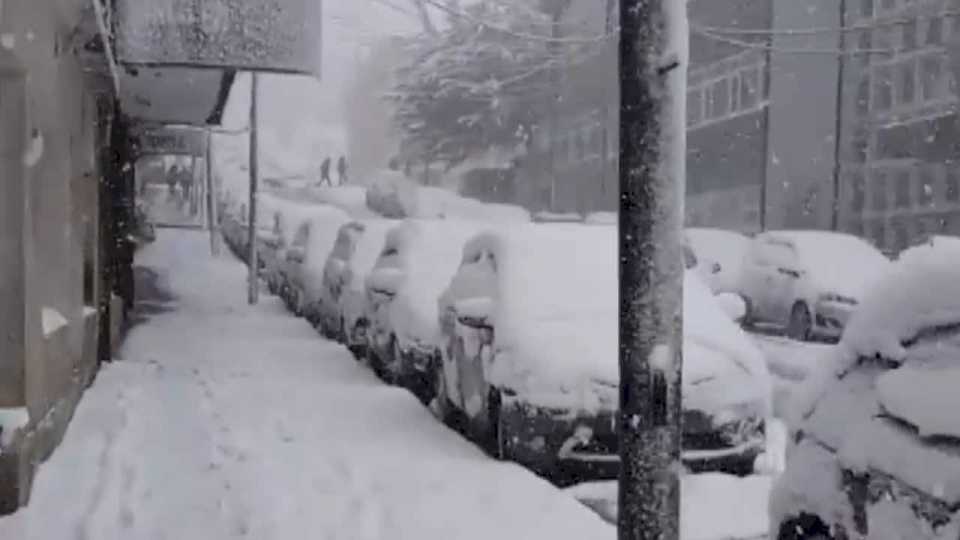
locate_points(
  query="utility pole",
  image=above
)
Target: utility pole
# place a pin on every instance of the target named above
(253, 279)
(212, 221)
(653, 71)
(605, 110)
(838, 125)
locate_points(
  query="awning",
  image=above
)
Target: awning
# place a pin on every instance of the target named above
(174, 95)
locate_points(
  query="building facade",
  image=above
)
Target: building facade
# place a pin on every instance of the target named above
(901, 146)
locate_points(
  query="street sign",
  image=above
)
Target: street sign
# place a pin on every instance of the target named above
(250, 35)
(172, 141)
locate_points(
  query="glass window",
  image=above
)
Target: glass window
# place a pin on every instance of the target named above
(863, 96)
(935, 31)
(864, 42)
(694, 104)
(902, 189)
(887, 4)
(857, 194)
(882, 98)
(952, 181)
(908, 34)
(866, 8)
(721, 97)
(932, 79)
(926, 185)
(879, 191)
(735, 92)
(878, 233)
(708, 103)
(901, 237)
(907, 85)
(749, 87)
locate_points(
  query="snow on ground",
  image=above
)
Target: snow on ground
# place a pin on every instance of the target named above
(712, 505)
(790, 363)
(223, 420)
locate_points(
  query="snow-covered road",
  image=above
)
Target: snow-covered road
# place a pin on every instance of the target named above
(223, 420)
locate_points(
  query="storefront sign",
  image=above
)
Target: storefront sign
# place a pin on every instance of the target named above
(254, 35)
(172, 141)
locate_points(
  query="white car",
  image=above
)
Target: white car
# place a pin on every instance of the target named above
(326, 313)
(417, 260)
(307, 257)
(719, 255)
(807, 282)
(353, 299)
(874, 449)
(530, 323)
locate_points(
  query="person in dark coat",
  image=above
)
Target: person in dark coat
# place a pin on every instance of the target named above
(342, 169)
(325, 172)
(173, 176)
(186, 182)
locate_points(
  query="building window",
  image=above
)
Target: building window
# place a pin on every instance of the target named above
(866, 8)
(581, 146)
(907, 83)
(879, 191)
(857, 194)
(926, 185)
(859, 145)
(908, 34)
(735, 92)
(863, 44)
(721, 98)
(935, 31)
(878, 233)
(902, 189)
(901, 237)
(694, 104)
(863, 97)
(952, 181)
(886, 5)
(882, 37)
(749, 87)
(933, 80)
(882, 98)
(708, 103)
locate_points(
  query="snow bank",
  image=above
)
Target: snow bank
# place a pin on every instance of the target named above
(727, 248)
(391, 194)
(52, 320)
(325, 226)
(712, 505)
(368, 247)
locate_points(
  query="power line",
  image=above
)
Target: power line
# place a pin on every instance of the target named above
(514, 33)
(766, 47)
(870, 25)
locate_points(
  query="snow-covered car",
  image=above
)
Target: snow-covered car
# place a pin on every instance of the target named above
(417, 260)
(326, 315)
(307, 258)
(807, 282)
(530, 358)
(353, 299)
(391, 194)
(719, 255)
(874, 449)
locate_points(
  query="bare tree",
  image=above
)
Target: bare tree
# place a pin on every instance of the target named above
(424, 15)
(653, 62)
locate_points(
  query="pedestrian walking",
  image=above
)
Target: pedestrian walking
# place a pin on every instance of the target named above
(342, 169)
(173, 176)
(325, 172)
(186, 183)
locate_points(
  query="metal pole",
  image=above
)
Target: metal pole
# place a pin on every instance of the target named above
(838, 126)
(211, 200)
(652, 162)
(253, 279)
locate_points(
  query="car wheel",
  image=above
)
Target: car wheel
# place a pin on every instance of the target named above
(804, 527)
(800, 324)
(441, 405)
(498, 442)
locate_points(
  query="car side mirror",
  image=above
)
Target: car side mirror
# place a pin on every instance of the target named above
(733, 305)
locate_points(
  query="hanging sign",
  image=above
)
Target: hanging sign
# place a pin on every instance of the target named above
(250, 35)
(172, 141)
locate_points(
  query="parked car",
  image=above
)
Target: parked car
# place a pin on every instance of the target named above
(530, 357)
(807, 282)
(335, 274)
(307, 258)
(719, 255)
(416, 262)
(875, 434)
(353, 299)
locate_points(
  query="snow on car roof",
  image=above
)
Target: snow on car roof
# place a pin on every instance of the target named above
(430, 251)
(919, 291)
(369, 245)
(826, 248)
(325, 223)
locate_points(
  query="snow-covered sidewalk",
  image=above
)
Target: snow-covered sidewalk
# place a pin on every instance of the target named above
(223, 420)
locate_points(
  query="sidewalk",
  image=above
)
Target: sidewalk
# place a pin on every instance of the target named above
(222, 420)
